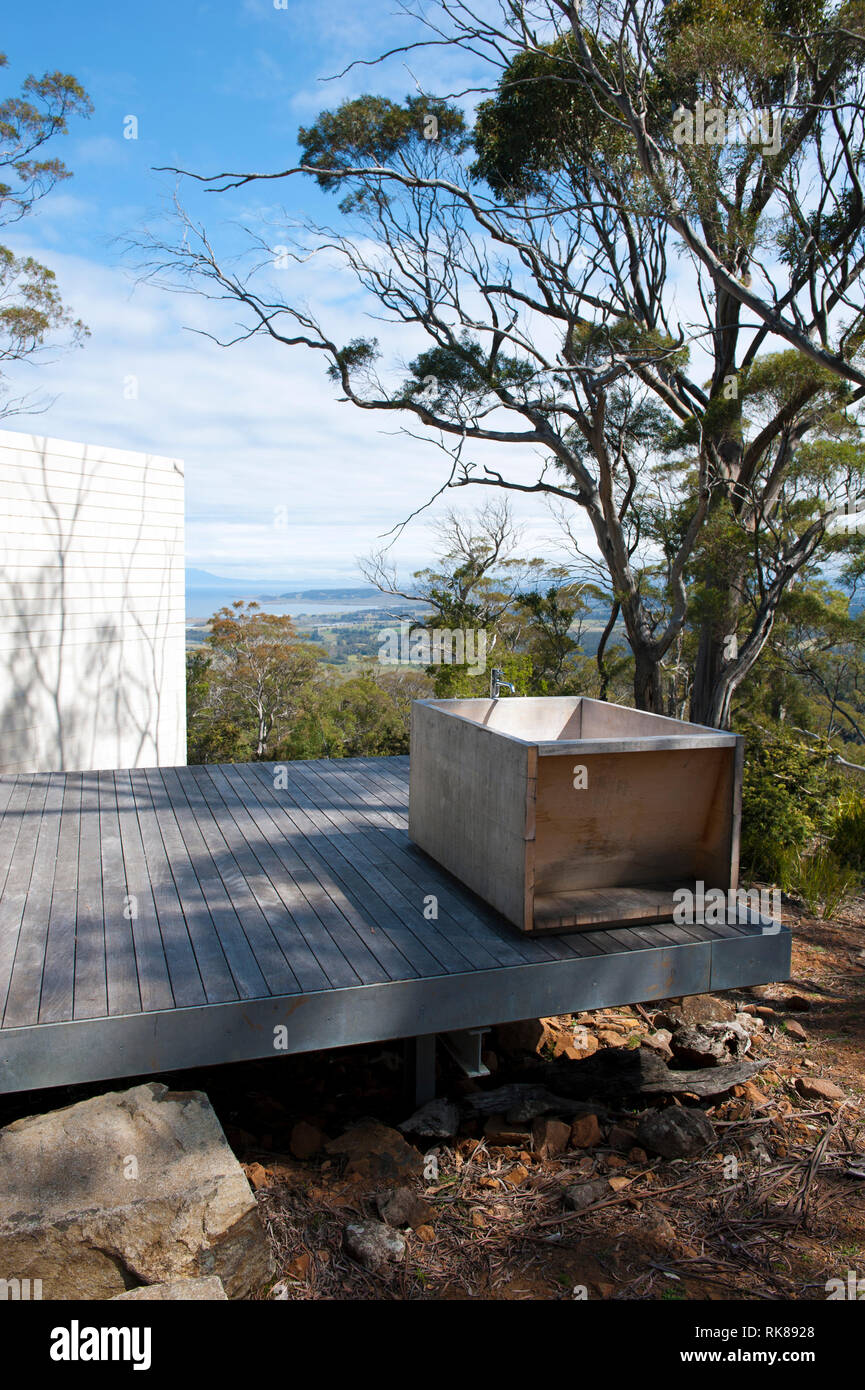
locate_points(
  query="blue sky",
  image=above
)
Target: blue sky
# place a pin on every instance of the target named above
(283, 482)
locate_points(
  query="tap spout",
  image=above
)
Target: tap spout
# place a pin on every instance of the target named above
(498, 684)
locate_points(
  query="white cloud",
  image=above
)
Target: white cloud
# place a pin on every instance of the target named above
(260, 427)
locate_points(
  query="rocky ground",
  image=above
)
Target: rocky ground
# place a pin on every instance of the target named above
(712, 1147)
(565, 1177)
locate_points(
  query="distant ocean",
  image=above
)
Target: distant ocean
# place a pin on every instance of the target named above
(201, 604)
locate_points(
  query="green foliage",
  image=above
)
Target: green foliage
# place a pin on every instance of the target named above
(848, 835)
(357, 717)
(31, 308)
(457, 380)
(540, 113)
(556, 656)
(818, 879)
(357, 357)
(455, 682)
(375, 131)
(788, 794)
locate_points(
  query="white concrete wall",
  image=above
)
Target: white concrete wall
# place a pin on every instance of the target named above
(92, 639)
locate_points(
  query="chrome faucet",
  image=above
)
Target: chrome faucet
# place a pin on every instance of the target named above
(497, 684)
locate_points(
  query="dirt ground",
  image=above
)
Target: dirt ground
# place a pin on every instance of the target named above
(778, 1223)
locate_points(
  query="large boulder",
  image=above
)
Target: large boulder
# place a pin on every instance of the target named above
(129, 1188)
(180, 1291)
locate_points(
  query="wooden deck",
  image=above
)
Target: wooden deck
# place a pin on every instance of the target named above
(165, 918)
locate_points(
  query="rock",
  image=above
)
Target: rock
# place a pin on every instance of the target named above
(566, 1046)
(675, 1133)
(609, 1037)
(373, 1244)
(748, 1091)
(585, 1194)
(550, 1137)
(403, 1207)
(659, 1042)
(795, 1030)
(755, 1149)
(179, 1290)
(130, 1187)
(661, 1018)
(751, 1023)
(694, 1009)
(585, 1132)
(815, 1089)
(438, 1119)
(516, 1176)
(306, 1140)
(257, 1175)
(659, 1232)
(705, 1008)
(376, 1152)
(620, 1137)
(499, 1131)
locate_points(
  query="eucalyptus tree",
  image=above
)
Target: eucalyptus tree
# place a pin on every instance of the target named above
(31, 306)
(639, 259)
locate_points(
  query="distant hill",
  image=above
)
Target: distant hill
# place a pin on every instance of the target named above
(266, 588)
(203, 579)
(333, 595)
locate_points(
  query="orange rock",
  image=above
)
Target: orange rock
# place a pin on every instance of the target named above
(516, 1176)
(299, 1267)
(258, 1176)
(585, 1132)
(550, 1136)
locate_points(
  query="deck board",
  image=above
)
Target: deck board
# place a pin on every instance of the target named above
(313, 957)
(204, 933)
(22, 853)
(184, 975)
(166, 917)
(58, 974)
(320, 908)
(25, 985)
(153, 974)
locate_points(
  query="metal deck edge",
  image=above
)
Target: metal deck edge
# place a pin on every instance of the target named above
(104, 1049)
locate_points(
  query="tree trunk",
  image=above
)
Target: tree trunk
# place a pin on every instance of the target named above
(647, 683)
(707, 672)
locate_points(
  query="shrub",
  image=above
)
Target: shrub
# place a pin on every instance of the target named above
(819, 880)
(789, 796)
(848, 837)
